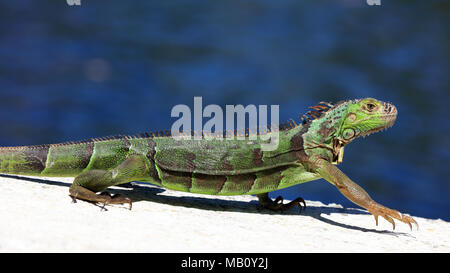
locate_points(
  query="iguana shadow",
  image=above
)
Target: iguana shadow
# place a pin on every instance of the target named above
(140, 192)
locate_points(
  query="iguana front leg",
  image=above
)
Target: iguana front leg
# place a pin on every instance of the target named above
(358, 195)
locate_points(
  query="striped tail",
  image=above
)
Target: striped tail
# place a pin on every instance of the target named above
(25, 160)
(57, 160)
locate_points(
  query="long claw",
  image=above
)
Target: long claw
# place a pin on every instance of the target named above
(390, 220)
(120, 199)
(106, 200)
(376, 219)
(298, 201)
(409, 220)
(409, 224)
(379, 210)
(279, 199)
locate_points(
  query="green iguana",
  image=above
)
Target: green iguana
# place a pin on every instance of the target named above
(306, 151)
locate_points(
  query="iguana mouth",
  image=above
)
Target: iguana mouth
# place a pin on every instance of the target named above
(390, 114)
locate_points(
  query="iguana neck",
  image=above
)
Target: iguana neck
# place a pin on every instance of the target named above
(320, 137)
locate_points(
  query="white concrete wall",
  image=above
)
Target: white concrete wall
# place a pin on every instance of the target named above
(39, 216)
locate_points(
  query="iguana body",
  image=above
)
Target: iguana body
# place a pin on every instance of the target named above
(216, 166)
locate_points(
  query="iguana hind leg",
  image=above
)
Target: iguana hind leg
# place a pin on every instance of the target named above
(277, 204)
(85, 185)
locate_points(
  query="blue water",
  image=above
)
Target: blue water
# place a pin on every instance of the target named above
(105, 68)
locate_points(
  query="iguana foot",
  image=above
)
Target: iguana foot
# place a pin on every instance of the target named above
(105, 198)
(116, 199)
(378, 210)
(277, 204)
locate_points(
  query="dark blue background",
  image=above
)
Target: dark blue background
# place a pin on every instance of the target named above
(118, 67)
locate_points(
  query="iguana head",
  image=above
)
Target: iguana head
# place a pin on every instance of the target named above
(348, 120)
(364, 117)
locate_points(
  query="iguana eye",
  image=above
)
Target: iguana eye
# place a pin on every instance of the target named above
(370, 107)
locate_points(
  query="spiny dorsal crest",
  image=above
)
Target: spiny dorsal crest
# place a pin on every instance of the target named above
(316, 112)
